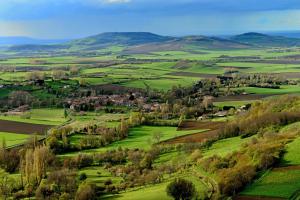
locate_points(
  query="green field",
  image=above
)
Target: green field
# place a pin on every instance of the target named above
(12, 139)
(275, 184)
(226, 146)
(47, 116)
(139, 137)
(292, 155)
(290, 89)
(158, 191)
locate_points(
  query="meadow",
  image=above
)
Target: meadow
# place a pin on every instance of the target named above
(138, 138)
(12, 139)
(46, 116)
(280, 184)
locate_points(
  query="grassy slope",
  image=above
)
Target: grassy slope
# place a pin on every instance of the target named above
(139, 137)
(158, 191)
(286, 89)
(275, 184)
(280, 183)
(225, 146)
(40, 116)
(292, 156)
(13, 139)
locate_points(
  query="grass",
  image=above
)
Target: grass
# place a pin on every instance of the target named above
(153, 192)
(47, 116)
(225, 146)
(101, 119)
(292, 155)
(12, 139)
(275, 184)
(99, 175)
(139, 137)
(158, 191)
(285, 89)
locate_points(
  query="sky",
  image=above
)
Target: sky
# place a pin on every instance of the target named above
(53, 19)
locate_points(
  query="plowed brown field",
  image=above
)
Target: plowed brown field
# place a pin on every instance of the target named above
(24, 128)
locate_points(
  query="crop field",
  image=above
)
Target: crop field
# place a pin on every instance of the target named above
(21, 127)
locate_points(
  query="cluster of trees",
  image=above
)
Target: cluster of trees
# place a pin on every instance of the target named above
(279, 112)
(250, 126)
(94, 136)
(20, 98)
(41, 175)
(134, 166)
(238, 169)
(36, 75)
(7, 68)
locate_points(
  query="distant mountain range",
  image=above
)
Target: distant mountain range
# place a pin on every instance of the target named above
(142, 42)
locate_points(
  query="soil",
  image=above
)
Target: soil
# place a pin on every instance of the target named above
(22, 128)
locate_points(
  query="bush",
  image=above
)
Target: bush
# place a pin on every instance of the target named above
(86, 191)
(82, 176)
(181, 189)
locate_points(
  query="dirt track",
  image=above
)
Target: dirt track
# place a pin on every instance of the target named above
(22, 128)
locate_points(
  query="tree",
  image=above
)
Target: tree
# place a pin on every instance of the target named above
(65, 113)
(181, 189)
(6, 185)
(19, 98)
(59, 74)
(36, 75)
(82, 82)
(86, 191)
(34, 164)
(156, 137)
(74, 70)
(207, 102)
(147, 161)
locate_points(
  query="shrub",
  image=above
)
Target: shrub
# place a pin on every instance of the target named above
(181, 189)
(86, 191)
(82, 176)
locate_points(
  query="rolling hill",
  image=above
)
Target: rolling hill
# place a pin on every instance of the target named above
(144, 42)
(258, 39)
